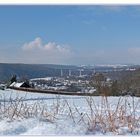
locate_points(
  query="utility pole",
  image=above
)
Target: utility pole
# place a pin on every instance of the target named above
(61, 73)
(69, 72)
(80, 72)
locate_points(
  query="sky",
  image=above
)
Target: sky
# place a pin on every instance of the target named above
(70, 34)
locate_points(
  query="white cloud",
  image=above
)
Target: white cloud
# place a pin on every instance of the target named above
(50, 47)
(53, 47)
(36, 43)
(37, 52)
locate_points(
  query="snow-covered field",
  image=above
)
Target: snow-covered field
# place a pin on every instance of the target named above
(23, 113)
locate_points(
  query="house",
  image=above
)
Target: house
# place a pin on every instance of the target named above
(21, 84)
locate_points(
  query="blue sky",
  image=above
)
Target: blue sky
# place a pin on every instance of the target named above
(66, 34)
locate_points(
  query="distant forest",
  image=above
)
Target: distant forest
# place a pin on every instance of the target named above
(32, 70)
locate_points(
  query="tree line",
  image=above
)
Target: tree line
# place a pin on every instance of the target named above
(126, 85)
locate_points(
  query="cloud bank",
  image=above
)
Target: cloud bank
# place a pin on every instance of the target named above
(37, 44)
(50, 52)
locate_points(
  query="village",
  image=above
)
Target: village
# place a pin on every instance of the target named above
(68, 84)
(85, 81)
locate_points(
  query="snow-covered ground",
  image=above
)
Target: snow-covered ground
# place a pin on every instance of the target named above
(23, 113)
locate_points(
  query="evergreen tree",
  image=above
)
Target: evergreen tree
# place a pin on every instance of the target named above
(13, 79)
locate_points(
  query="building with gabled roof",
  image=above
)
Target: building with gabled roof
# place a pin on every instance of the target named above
(21, 84)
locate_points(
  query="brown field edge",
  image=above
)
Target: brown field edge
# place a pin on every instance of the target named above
(58, 92)
(52, 91)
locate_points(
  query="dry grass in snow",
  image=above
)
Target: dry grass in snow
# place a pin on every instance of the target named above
(95, 117)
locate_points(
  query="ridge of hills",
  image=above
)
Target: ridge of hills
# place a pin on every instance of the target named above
(31, 70)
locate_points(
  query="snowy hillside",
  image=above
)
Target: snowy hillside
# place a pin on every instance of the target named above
(23, 113)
